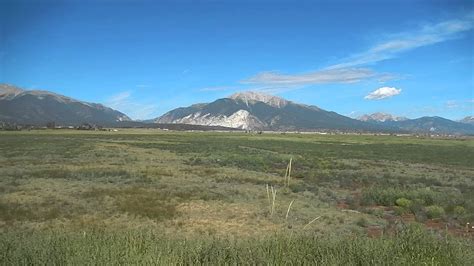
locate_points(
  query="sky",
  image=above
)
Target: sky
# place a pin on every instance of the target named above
(407, 57)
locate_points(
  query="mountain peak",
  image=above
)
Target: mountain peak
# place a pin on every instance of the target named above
(259, 111)
(381, 117)
(7, 90)
(252, 96)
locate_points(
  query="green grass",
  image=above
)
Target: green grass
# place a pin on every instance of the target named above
(148, 196)
(411, 246)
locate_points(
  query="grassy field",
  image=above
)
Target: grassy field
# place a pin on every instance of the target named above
(148, 196)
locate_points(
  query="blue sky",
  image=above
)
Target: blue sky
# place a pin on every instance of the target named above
(409, 58)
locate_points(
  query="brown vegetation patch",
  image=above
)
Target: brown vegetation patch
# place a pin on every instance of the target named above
(435, 224)
(374, 231)
(215, 217)
(153, 204)
(342, 205)
(408, 217)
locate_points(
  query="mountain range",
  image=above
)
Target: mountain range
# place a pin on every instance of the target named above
(38, 107)
(257, 111)
(427, 124)
(243, 110)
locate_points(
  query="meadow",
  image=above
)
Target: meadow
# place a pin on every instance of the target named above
(141, 196)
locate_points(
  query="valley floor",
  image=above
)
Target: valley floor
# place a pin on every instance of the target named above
(149, 196)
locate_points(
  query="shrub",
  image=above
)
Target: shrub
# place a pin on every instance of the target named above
(425, 195)
(434, 211)
(403, 202)
(407, 197)
(418, 209)
(297, 187)
(400, 210)
(362, 222)
(381, 196)
(459, 210)
(420, 217)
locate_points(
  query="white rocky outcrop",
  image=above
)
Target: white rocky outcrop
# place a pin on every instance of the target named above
(240, 119)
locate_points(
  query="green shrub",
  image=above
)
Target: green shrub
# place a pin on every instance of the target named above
(425, 195)
(403, 202)
(407, 197)
(459, 210)
(434, 211)
(382, 196)
(362, 222)
(400, 210)
(418, 209)
(296, 187)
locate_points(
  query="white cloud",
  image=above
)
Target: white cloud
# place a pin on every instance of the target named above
(402, 42)
(347, 75)
(219, 88)
(266, 89)
(349, 71)
(119, 98)
(382, 93)
(126, 103)
(458, 107)
(143, 86)
(451, 104)
(465, 105)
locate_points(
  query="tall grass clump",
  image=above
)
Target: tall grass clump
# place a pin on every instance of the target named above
(288, 173)
(271, 201)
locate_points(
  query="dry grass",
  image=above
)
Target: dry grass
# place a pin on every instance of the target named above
(222, 219)
(185, 185)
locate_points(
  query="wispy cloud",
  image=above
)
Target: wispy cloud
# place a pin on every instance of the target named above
(267, 89)
(467, 105)
(382, 93)
(352, 70)
(126, 103)
(403, 42)
(119, 98)
(347, 75)
(143, 86)
(219, 88)
(451, 104)
(459, 108)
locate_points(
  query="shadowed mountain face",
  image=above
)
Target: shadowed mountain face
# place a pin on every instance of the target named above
(251, 110)
(434, 125)
(37, 107)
